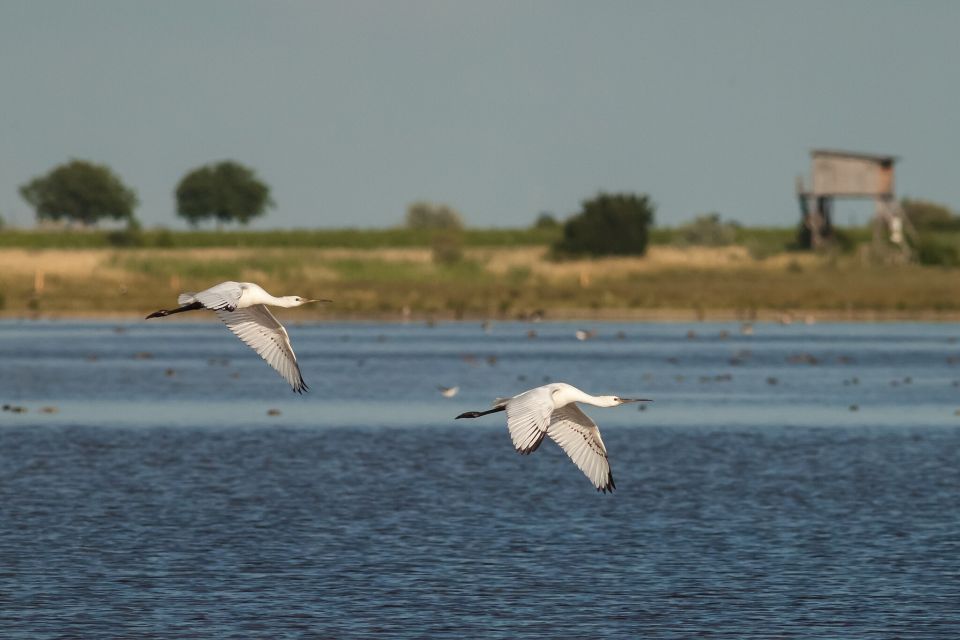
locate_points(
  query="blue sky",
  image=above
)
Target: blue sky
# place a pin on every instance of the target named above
(351, 110)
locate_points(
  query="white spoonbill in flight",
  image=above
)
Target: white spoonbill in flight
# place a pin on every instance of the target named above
(242, 307)
(551, 410)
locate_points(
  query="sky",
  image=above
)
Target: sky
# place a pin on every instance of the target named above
(351, 110)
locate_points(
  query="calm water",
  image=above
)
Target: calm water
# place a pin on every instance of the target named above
(802, 481)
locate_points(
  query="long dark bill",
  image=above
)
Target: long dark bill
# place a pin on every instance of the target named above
(477, 414)
(193, 306)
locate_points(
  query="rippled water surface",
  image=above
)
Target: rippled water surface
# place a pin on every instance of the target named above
(802, 481)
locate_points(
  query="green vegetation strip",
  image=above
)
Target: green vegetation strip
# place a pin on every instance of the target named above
(307, 238)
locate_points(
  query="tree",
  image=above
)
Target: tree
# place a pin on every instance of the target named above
(226, 191)
(82, 192)
(546, 220)
(428, 215)
(609, 224)
(929, 216)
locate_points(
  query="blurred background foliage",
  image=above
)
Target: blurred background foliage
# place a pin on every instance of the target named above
(89, 253)
(80, 192)
(608, 224)
(224, 192)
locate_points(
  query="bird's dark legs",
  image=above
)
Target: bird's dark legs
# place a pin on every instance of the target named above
(193, 306)
(477, 414)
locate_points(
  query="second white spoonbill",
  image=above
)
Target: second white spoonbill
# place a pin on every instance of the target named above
(551, 410)
(242, 307)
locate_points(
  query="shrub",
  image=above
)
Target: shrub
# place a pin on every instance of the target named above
(929, 216)
(546, 220)
(163, 238)
(427, 215)
(447, 247)
(708, 230)
(131, 236)
(843, 241)
(936, 251)
(835, 239)
(609, 224)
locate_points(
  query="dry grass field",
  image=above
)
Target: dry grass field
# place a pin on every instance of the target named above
(670, 282)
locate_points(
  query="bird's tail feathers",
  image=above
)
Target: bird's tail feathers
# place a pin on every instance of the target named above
(185, 298)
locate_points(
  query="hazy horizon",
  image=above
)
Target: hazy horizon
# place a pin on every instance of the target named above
(350, 111)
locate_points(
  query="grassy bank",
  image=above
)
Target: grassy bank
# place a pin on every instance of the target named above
(489, 282)
(294, 238)
(763, 240)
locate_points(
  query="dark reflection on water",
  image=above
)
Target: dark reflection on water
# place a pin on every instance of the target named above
(802, 520)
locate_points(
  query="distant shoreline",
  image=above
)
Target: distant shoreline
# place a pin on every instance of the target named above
(669, 284)
(679, 316)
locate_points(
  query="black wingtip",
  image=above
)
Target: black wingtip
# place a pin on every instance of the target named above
(301, 387)
(610, 486)
(533, 446)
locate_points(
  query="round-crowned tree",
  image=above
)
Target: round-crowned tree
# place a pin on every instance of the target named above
(225, 192)
(80, 192)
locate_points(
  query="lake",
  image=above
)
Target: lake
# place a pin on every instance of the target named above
(798, 481)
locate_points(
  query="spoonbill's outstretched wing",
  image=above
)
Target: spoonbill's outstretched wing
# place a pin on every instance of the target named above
(579, 437)
(263, 333)
(225, 295)
(528, 416)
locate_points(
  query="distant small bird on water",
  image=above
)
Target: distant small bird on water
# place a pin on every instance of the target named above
(551, 410)
(242, 307)
(448, 392)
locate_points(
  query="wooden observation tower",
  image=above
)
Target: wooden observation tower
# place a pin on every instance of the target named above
(845, 174)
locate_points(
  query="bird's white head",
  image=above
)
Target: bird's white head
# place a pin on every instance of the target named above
(296, 301)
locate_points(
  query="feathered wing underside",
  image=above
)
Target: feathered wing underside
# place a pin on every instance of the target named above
(225, 295)
(579, 437)
(263, 333)
(528, 416)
